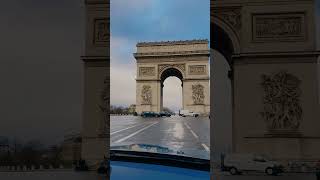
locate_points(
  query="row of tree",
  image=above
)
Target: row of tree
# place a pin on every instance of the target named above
(131, 109)
(122, 109)
(15, 153)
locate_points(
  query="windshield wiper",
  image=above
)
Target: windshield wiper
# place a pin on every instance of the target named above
(160, 159)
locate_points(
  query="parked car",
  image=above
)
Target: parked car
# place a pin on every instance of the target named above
(150, 114)
(166, 114)
(238, 163)
(185, 113)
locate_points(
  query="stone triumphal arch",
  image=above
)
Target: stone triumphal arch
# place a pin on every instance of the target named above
(273, 53)
(186, 60)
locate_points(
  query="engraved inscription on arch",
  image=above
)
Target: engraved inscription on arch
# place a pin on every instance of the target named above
(277, 27)
(147, 71)
(197, 69)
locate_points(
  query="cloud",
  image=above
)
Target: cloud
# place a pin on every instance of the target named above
(122, 71)
(122, 50)
(122, 84)
(135, 6)
(161, 19)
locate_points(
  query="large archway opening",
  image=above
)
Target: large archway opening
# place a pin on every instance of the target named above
(221, 42)
(171, 89)
(222, 50)
(172, 94)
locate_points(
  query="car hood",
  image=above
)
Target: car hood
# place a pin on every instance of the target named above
(147, 148)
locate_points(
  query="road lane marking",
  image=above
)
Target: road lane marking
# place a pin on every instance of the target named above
(192, 132)
(197, 137)
(135, 133)
(126, 128)
(205, 147)
(187, 125)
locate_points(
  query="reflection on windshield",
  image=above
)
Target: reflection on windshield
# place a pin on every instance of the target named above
(146, 148)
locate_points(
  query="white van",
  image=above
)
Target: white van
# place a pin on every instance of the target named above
(185, 113)
(237, 163)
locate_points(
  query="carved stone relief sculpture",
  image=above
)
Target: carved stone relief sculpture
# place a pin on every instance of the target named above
(231, 16)
(146, 95)
(101, 32)
(282, 109)
(104, 106)
(198, 94)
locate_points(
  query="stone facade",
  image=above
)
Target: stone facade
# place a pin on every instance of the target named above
(187, 60)
(274, 69)
(95, 124)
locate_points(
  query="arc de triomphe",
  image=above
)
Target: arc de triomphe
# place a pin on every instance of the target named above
(273, 53)
(186, 60)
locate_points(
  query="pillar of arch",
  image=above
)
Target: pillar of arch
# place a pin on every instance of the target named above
(186, 60)
(273, 55)
(95, 119)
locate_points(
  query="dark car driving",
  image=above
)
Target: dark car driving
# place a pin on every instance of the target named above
(166, 114)
(150, 114)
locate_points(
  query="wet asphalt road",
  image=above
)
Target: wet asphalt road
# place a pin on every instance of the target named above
(188, 134)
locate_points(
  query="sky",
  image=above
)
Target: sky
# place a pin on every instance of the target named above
(151, 20)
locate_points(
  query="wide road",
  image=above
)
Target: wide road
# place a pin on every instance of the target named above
(188, 134)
